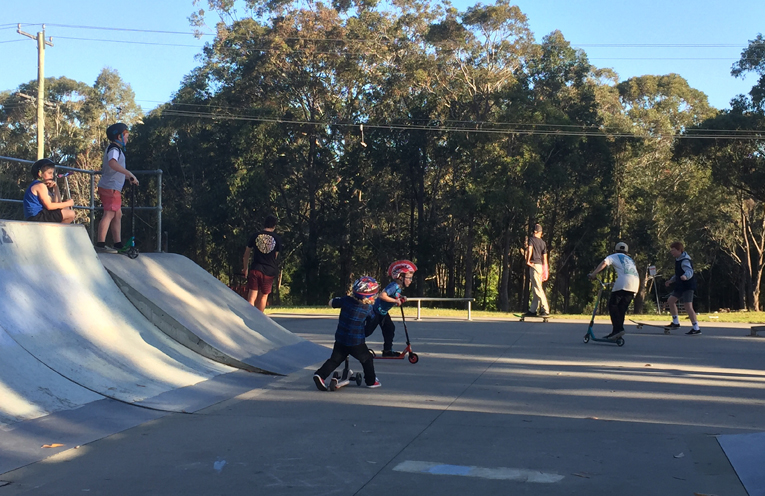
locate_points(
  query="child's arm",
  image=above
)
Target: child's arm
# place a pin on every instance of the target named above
(42, 193)
(385, 297)
(116, 166)
(245, 259)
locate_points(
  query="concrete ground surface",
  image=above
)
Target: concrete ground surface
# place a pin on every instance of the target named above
(492, 408)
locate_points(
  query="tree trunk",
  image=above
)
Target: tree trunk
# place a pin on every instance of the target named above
(469, 259)
(504, 279)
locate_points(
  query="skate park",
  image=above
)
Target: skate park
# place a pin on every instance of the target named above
(140, 393)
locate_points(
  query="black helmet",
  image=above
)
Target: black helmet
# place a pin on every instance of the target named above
(37, 166)
(115, 131)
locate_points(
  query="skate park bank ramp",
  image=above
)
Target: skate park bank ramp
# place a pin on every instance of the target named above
(198, 310)
(77, 359)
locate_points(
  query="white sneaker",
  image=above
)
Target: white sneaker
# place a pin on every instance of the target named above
(106, 249)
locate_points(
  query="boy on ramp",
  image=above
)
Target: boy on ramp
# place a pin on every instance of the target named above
(402, 272)
(42, 199)
(355, 312)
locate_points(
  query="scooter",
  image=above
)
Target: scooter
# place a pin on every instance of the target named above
(413, 358)
(343, 380)
(129, 248)
(590, 336)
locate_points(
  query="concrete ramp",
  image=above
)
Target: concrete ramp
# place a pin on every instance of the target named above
(29, 389)
(202, 313)
(60, 306)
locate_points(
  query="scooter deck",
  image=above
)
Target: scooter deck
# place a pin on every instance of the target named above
(337, 382)
(523, 317)
(641, 324)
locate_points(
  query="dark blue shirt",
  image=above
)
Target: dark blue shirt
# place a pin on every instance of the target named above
(352, 322)
(32, 204)
(394, 291)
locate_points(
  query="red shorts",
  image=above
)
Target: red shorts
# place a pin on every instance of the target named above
(111, 199)
(257, 281)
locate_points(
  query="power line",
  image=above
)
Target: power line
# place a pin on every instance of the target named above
(128, 42)
(513, 131)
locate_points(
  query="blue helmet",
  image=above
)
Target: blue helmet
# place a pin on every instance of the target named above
(115, 131)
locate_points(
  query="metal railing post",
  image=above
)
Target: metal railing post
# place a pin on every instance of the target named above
(470, 313)
(159, 211)
(419, 303)
(93, 207)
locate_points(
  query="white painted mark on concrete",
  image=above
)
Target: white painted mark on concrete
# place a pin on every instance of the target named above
(218, 466)
(500, 473)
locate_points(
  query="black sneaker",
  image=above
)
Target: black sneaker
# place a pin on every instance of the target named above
(391, 353)
(614, 335)
(530, 314)
(672, 325)
(693, 332)
(319, 382)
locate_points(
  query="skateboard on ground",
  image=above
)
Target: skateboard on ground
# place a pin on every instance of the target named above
(523, 317)
(641, 324)
(341, 380)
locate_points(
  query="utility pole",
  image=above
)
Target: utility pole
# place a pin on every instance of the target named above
(40, 86)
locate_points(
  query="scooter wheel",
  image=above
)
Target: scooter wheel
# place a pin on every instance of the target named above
(413, 358)
(586, 338)
(336, 375)
(132, 252)
(358, 378)
(620, 342)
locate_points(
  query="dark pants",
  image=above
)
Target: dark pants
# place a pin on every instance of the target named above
(340, 352)
(388, 329)
(617, 307)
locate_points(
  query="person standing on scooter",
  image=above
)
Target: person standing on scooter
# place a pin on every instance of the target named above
(110, 186)
(355, 312)
(625, 287)
(536, 259)
(402, 273)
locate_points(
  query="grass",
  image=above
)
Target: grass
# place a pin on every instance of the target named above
(411, 313)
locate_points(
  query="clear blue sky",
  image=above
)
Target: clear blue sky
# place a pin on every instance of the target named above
(155, 70)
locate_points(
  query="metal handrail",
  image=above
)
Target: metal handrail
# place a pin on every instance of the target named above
(92, 209)
(420, 299)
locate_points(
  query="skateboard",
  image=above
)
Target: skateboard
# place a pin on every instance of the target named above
(641, 324)
(343, 380)
(523, 317)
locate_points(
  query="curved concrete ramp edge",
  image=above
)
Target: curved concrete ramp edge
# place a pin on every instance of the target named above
(58, 303)
(199, 311)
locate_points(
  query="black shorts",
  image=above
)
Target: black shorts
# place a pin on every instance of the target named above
(48, 216)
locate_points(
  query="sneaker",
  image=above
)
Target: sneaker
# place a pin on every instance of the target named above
(106, 249)
(530, 314)
(391, 353)
(672, 325)
(375, 385)
(614, 335)
(544, 314)
(693, 332)
(319, 382)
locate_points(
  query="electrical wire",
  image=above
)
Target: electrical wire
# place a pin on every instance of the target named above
(128, 42)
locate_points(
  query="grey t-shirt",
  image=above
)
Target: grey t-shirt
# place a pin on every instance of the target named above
(110, 178)
(540, 248)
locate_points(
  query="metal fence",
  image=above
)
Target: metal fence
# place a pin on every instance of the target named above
(92, 208)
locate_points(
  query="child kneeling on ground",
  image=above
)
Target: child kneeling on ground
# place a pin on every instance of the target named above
(349, 338)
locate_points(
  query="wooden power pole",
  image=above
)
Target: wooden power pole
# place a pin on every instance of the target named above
(41, 42)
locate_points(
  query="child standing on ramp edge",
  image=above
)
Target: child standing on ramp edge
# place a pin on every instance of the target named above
(110, 186)
(402, 272)
(355, 312)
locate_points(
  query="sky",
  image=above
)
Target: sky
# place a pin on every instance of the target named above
(697, 39)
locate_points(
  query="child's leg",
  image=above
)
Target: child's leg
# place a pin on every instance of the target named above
(361, 353)
(116, 227)
(671, 303)
(388, 332)
(68, 216)
(691, 313)
(103, 226)
(339, 352)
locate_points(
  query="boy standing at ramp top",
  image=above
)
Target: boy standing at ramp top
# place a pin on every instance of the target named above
(355, 312)
(42, 200)
(402, 272)
(110, 186)
(685, 285)
(625, 287)
(265, 246)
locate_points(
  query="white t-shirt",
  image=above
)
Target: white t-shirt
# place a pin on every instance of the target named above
(627, 278)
